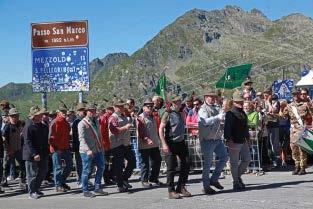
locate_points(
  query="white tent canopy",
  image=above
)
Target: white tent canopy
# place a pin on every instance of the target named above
(306, 81)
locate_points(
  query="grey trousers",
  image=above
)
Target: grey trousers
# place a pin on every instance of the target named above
(36, 172)
(240, 158)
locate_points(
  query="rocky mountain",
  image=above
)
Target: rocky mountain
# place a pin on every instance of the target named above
(196, 48)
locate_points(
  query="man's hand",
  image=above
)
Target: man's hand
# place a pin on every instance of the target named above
(165, 148)
(221, 116)
(89, 153)
(37, 157)
(128, 125)
(230, 143)
(148, 141)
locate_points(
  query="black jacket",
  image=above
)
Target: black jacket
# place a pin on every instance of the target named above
(236, 126)
(1, 146)
(75, 139)
(35, 140)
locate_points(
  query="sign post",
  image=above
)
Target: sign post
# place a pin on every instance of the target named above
(60, 57)
(44, 100)
(80, 97)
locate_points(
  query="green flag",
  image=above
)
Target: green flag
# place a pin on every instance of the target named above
(234, 76)
(161, 86)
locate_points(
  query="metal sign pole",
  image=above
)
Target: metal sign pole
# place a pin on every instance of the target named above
(80, 97)
(44, 100)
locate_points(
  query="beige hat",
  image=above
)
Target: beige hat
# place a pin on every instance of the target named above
(13, 111)
(119, 102)
(175, 98)
(4, 103)
(62, 107)
(248, 80)
(148, 101)
(211, 93)
(80, 106)
(101, 107)
(90, 107)
(35, 111)
(109, 105)
(52, 112)
(237, 96)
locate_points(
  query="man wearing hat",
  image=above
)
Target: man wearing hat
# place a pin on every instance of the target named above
(148, 145)
(1, 162)
(91, 150)
(52, 115)
(297, 111)
(59, 140)
(172, 135)
(108, 176)
(11, 135)
(35, 151)
(248, 90)
(5, 106)
(189, 106)
(236, 133)
(81, 113)
(46, 121)
(210, 134)
(119, 127)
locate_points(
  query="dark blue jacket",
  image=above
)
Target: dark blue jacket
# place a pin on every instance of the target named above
(35, 140)
(1, 146)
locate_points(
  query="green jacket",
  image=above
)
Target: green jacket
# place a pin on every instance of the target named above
(253, 119)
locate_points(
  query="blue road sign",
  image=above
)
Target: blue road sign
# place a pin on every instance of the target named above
(283, 88)
(60, 69)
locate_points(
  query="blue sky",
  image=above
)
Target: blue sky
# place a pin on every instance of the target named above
(114, 25)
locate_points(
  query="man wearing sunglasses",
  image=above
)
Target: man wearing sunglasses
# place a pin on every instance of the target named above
(148, 145)
(13, 143)
(172, 135)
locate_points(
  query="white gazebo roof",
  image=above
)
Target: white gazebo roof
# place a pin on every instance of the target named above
(306, 80)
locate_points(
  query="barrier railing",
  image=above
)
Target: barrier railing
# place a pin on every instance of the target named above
(196, 156)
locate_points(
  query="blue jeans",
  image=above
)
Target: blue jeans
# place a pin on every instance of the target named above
(98, 160)
(60, 175)
(78, 166)
(208, 147)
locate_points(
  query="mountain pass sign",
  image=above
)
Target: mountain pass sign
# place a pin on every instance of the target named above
(59, 34)
(60, 56)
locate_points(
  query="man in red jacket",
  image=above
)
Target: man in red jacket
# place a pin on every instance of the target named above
(59, 141)
(104, 128)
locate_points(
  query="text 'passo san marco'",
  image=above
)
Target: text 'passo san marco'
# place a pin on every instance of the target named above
(59, 31)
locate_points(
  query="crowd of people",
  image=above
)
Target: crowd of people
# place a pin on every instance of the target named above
(96, 140)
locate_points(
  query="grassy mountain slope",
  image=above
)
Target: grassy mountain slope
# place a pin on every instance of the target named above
(196, 47)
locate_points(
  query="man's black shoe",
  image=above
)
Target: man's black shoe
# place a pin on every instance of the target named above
(216, 184)
(209, 191)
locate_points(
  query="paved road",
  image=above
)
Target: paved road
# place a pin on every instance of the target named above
(277, 190)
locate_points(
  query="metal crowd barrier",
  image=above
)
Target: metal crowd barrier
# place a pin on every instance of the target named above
(196, 156)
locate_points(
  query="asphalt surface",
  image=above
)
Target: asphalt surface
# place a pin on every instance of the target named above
(276, 189)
